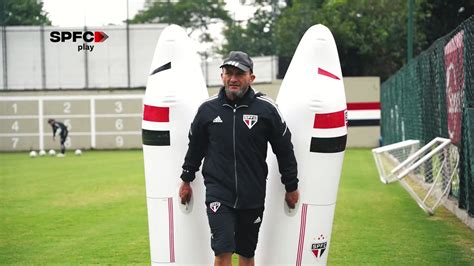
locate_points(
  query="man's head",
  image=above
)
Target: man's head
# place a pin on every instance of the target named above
(237, 74)
(51, 121)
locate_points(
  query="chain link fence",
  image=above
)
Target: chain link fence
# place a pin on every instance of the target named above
(433, 96)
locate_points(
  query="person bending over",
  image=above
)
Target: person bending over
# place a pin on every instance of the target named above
(60, 129)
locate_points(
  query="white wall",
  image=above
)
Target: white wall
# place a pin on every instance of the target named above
(64, 65)
(106, 66)
(23, 57)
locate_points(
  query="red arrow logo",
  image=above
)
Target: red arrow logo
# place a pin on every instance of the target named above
(100, 36)
(327, 73)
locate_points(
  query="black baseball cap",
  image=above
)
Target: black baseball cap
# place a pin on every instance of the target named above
(240, 60)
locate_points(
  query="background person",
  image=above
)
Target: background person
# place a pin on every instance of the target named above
(60, 129)
(231, 131)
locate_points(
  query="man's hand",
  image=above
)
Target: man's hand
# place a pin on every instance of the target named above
(185, 192)
(291, 198)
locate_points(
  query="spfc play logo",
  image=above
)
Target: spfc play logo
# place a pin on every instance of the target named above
(319, 246)
(87, 37)
(214, 206)
(250, 120)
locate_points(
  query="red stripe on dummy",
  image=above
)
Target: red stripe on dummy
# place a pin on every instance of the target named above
(156, 114)
(299, 254)
(327, 73)
(363, 106)
(171, 229)
(330, 120)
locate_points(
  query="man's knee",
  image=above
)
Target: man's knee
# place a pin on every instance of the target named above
(223, 259)
(244, 261)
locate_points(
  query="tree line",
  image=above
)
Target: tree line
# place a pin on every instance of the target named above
(371, 35)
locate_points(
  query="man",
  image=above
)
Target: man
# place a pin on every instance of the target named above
(62, 131)
(231, 131)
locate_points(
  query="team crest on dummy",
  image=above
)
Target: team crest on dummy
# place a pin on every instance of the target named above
(250, 120)
(319, 246)
(214, 206)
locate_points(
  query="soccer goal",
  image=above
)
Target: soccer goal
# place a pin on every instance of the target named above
(388, 159)
(427, 173)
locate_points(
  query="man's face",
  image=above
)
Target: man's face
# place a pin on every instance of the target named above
(236, 81)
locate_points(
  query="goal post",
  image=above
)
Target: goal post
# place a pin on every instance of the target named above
(428, 180)
(389, 158)
(426, 173)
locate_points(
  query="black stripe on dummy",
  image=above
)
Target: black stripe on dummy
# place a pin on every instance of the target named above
(328, 145)
(161, 68)
(364, 122)
(155, 138)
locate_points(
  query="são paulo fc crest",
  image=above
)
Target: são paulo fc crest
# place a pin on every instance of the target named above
(214, 206)
(250, 120)
(319, 246)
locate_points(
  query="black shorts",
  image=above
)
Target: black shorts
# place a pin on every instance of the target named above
(234, 230)
(63, 136)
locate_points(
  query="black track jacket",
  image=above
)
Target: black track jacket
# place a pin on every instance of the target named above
(233, 137)
(58, 125)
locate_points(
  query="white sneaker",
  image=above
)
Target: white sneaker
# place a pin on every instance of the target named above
(60, 155)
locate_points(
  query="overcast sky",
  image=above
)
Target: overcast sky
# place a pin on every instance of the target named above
(74, 13)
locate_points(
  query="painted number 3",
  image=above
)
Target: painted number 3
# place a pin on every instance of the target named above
(118, 107)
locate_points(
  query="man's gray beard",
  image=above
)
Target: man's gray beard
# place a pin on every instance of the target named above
(237, 94)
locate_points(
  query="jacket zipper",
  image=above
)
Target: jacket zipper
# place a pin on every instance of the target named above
(235, 153)
(235, 163)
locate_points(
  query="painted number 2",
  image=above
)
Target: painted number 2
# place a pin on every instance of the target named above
(67, 107)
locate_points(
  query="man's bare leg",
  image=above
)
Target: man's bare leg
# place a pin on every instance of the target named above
(224, 259)
(243, 261)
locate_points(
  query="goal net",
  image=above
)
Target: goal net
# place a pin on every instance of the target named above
(388, 158)
(427, 174)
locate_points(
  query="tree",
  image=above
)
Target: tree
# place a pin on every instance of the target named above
(370, 34)
(256, 38)
(443, 17)
(190, 14)
(25, 12)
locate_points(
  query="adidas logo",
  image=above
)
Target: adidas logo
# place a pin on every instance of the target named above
(217, 120)
(258, 220)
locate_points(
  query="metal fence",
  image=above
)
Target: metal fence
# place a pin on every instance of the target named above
(433, 96)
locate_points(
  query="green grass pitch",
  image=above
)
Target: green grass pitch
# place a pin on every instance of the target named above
(91, 209)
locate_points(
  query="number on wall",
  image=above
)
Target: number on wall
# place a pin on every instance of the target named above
(118, 107)
(119, 141)
(67, 107)
(15, 142)
(15, 126)
(119, 124)
(67, 143)
(15, 108)
(67, 123)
